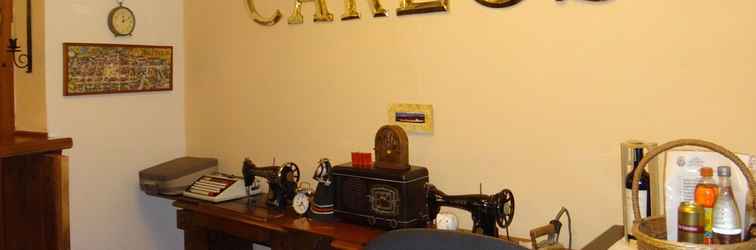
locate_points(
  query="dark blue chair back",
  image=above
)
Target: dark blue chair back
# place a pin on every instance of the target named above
(432, 239)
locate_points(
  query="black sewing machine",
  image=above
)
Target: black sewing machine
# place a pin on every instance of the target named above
(487, 210)
(282, 180)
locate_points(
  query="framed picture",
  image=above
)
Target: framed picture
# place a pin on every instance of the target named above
(412, 117)
(116, 68)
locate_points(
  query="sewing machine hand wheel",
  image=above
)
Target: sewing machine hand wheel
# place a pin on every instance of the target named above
(291, 172)
(506, 208)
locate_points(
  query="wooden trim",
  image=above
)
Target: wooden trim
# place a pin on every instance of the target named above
(7, 102)
(27, 146)
(343, 245)
(203, 208)
(66, 58)
(2, 204)
(31, 134)
(236, 228)
(62, 228)
(608, 238)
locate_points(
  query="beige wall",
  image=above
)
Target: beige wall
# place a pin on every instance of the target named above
(535, 98)
(31, 113)
(117, 135)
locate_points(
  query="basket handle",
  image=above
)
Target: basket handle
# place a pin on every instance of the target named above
(688, 142)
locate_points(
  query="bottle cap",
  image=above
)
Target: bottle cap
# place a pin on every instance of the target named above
(723, 171)
(707, 172)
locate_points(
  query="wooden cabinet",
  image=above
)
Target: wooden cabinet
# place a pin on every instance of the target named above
(34, 194)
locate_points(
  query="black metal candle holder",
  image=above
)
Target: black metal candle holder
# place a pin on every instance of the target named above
(23, 61)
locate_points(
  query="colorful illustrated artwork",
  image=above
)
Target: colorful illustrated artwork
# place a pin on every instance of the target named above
(114, 68)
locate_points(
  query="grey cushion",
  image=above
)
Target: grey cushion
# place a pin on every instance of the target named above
(177, 168)
(431, 239)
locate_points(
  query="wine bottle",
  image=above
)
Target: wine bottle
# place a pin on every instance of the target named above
(644, 192)
(727, 229)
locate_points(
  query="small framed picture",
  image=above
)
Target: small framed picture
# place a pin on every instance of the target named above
(416, 118)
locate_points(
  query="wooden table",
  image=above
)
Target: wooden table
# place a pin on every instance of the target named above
(236, 225)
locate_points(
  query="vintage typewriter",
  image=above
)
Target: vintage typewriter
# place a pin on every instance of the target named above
(220, 187)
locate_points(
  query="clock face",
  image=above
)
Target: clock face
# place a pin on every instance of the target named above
(122, 21)
(301, 203)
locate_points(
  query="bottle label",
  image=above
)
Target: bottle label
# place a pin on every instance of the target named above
(726, 214)
(728, 236)
(708, 222)
(689, 229)
(642, 204)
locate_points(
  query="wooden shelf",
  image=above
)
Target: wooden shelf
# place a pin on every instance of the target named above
(25, 143)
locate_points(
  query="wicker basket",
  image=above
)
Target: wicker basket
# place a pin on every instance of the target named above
(651, 232)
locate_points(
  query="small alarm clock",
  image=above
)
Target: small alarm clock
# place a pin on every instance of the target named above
(301, 201)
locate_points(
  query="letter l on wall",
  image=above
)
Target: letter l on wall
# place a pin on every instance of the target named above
(321, 12)
(351, 13)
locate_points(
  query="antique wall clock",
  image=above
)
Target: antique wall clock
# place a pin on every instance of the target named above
(121, 20)
(391, 149)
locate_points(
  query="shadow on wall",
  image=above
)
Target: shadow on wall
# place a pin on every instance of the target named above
(160, 219)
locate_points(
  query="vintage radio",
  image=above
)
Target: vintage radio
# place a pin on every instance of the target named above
(384, 198)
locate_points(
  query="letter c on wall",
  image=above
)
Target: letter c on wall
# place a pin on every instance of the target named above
(259, 18)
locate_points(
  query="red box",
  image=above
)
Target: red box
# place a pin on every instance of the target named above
(362, 160)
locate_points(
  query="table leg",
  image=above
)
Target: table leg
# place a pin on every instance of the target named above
(196, 239)
(278, 241)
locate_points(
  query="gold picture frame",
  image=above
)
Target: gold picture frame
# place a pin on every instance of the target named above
(416, 118)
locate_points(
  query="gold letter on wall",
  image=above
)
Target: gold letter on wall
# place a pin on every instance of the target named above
(351, 12)
(321, 12)
(408, 7)
(500, 3)
(259, 18)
